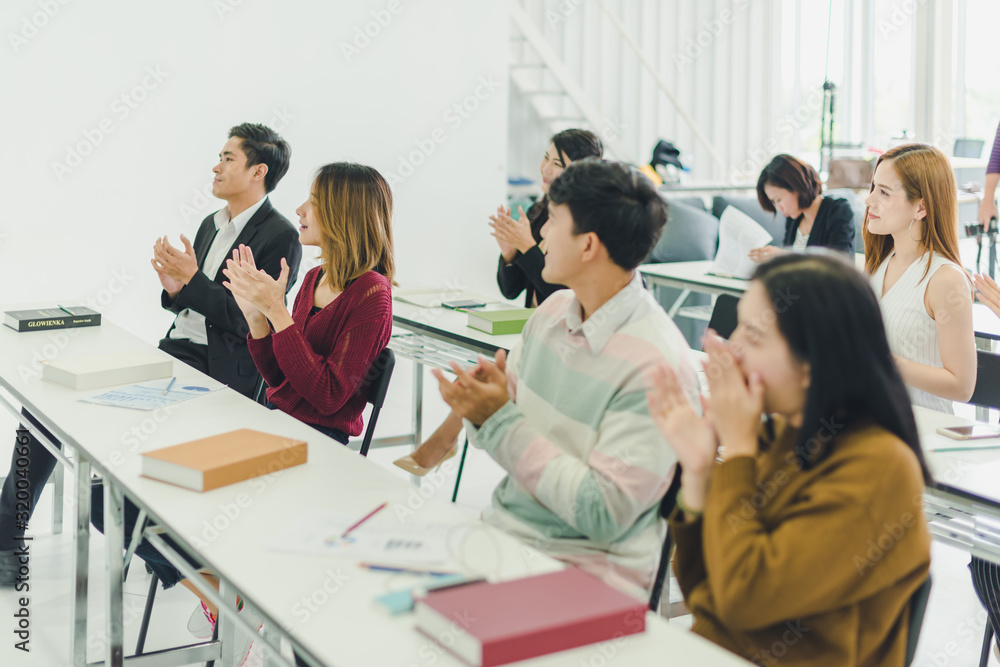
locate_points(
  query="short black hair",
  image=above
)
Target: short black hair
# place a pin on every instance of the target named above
(616, 202)
(263, 145)
(792, 174)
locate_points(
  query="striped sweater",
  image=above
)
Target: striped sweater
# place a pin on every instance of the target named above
(586, 464)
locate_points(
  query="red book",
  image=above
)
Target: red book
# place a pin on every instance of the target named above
(495, 624)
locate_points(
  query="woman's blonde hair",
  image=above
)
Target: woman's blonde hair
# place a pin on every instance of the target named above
(926, 174)
(353, 205)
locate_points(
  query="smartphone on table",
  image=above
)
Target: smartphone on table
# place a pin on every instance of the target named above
(970, 432)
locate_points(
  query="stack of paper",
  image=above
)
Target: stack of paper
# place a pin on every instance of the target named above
(738, 235)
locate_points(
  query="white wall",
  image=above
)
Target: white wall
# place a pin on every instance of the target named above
(719, 58)
(143, 95)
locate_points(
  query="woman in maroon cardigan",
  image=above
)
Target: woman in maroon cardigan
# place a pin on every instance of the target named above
(315, 358)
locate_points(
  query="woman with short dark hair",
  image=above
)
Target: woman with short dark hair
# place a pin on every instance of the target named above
(809, 537)
(791, 187)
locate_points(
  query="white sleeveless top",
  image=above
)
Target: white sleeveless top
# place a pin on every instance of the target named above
(912, 333)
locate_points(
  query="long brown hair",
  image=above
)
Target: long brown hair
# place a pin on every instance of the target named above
(354, 208)
(926, 174)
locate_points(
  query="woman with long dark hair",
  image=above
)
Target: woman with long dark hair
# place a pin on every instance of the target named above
(522, 255)
(812, 524)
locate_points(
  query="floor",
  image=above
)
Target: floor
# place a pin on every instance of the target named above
(952, 632)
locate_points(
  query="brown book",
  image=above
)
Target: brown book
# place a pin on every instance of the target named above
(223, 459)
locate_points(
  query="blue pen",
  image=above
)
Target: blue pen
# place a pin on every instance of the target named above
(171, 384)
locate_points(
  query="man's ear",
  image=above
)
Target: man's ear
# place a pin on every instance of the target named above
(591, 246)
(259, 171)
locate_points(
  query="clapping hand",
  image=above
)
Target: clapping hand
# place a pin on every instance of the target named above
(175, 268)
(988, 292)
(478, 392)
(512, 234)
(257, 294)
(691, 435)
(736, 400)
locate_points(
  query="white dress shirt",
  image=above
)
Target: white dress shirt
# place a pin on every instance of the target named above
(190, 324)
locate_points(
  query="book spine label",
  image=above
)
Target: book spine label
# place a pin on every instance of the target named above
(59, 323)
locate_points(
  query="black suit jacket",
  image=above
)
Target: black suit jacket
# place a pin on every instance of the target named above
(833, 227)
(270, 236)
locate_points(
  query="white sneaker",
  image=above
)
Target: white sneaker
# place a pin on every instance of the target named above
(256, 621)
(202, 623)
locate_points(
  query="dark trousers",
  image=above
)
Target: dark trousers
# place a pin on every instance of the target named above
(168, 574)
(986, 582)
(39, 464)
(192, 354)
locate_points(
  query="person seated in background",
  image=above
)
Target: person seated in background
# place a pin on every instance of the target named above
(314, 359)
(209, 332)
(522, 257)
(775, 542)
(565, 414)
(521, 254)
(793, 189)
(911, 257)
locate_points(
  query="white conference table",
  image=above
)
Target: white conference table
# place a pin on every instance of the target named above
(695, 277)
(323, 606)
(963, 506)
(436, 336)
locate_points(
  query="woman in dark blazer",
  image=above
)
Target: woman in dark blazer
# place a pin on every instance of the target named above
(791, 187)
(521, 254)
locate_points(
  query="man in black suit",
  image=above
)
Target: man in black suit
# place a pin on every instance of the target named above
(210, 331)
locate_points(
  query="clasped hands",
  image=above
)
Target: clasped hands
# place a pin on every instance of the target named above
(257, 294)
(478, 391)
(174, 267)
(730, 415)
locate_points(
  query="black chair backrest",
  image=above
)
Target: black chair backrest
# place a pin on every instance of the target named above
(918, 605)
(378, 384)
(667, 504)
(987, 392)
(723, 320)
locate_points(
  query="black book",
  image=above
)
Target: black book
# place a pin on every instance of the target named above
(51, 318)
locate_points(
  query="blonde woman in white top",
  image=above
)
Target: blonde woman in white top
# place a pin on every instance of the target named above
(911, 257)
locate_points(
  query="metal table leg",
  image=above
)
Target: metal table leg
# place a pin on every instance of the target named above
(982, 412)
(114, 536)
(418, 410)
(78, 620)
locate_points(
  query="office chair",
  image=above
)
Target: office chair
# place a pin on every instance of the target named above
(723, 320)
(381, 370)
(918, 605)
(667, 505)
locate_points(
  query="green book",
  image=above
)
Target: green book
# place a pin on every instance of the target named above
(498, 322)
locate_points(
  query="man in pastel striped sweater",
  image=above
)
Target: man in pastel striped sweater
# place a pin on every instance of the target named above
(565, 414)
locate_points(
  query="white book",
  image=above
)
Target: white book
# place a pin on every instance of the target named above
(103, 370)
(738, 235)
